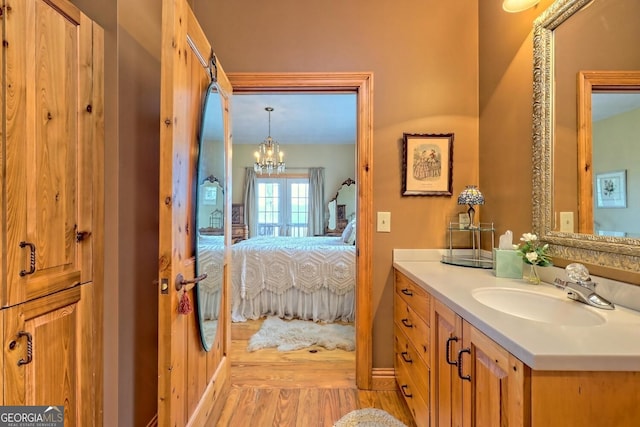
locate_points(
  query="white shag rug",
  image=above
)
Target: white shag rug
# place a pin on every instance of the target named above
(289, 335)
(369, 417)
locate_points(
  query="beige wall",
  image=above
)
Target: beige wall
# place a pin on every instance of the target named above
(424, 57)
(615, 148)
(506, 108)
(339, 161)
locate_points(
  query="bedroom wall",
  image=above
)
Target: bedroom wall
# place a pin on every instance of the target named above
(424, 57)
(339, 161)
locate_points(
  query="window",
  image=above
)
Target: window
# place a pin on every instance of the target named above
(283, 206)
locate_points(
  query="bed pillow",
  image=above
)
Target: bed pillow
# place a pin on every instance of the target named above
(346, 233)
(352, 237)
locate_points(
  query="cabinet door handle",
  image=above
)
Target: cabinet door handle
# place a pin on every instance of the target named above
(32, 258)
(29, 348)
(460, 353)
(407, 292)
(404, 389)
(448, 351)
(406, 323)
(405, 357)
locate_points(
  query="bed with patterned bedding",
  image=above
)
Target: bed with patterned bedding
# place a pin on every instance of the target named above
(309, 278)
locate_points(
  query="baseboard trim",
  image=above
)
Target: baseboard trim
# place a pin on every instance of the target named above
(383, 379)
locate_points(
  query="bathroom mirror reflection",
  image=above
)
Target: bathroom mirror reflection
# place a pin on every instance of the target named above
(210, 215)
(609, 28)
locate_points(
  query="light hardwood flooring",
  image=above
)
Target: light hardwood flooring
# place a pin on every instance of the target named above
(304, 388)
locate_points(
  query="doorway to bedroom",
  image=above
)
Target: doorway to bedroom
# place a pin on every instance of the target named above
(324, 149)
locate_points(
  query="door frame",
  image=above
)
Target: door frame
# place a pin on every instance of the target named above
(362, 85)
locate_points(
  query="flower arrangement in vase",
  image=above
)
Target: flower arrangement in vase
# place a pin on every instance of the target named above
(534, 253)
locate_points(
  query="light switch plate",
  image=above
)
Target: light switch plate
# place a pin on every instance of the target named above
(384, 222)
(566, 222)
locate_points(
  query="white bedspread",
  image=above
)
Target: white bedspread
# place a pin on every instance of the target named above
(310, 278)
(210, 260)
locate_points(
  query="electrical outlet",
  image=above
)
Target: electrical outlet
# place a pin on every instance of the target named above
(384, 222)
(566, 222)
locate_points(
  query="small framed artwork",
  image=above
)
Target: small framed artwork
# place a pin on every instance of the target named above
(611, 189)
(427, 164)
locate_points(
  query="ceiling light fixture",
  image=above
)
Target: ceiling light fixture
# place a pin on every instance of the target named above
(269, 158)
(514, 6)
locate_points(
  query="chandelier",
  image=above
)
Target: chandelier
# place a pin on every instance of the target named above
(269, 158)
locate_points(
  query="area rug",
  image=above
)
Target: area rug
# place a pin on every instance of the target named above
(289, 335)
(369, 417)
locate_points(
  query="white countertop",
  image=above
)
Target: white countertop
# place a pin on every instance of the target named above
(611, 346)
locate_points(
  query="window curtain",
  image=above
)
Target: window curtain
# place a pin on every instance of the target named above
(316, 201)
(250, 201)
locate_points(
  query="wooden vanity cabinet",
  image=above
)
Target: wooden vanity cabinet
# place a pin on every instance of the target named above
(474, 381)
(412, 346)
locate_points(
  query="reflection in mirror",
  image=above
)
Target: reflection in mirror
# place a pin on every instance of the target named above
(210, 216)
(561, 36)
(608, 122)
(342, 208)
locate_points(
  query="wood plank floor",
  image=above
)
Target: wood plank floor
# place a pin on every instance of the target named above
(304, 388)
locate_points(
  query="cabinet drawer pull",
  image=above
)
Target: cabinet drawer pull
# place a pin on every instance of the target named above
(29, 348)
(460, 353)
(405, 357)
(32, 258)
(448, 350)
(406, 323)
(407, 292)
(404, 389)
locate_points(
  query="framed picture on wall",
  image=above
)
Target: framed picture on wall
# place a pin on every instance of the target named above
(427, 164)
(611, 189)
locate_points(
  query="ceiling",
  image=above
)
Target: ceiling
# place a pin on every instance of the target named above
(297, 118)
(604, 105)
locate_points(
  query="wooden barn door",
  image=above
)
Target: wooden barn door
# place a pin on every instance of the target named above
(190, 380)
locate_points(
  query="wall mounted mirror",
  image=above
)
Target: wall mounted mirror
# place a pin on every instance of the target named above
(570, 38)
(210, 214)
(342, 208)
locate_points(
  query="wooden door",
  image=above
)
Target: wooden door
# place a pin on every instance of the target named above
(48, 111)
(191, 381)
(494, 393)
(446, 386)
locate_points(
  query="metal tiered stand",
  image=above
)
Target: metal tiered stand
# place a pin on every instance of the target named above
(470, 257)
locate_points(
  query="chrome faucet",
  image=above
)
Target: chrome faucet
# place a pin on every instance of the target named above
(581, 288)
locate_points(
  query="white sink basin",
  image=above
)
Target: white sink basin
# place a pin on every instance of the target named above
(537, 306)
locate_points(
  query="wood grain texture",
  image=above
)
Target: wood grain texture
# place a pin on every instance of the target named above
(317, 391)
(189, 379)
(54, 163)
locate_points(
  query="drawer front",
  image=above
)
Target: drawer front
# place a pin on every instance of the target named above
(407, 355)
(416, 400)
(413, 326)
(416, 297)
